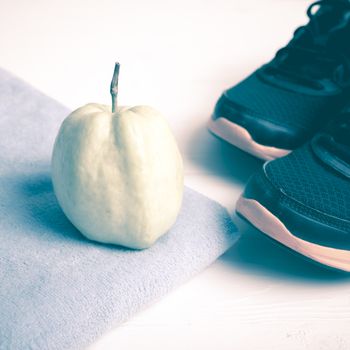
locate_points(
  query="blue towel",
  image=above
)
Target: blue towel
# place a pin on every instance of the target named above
(57, 289)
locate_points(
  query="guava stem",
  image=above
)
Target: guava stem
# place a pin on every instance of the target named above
(114, 87)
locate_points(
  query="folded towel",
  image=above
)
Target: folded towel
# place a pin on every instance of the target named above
(59, 290)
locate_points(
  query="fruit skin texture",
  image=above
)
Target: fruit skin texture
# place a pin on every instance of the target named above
(118, 176)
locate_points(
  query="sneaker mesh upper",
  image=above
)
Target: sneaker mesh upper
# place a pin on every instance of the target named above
(280, 106)
(306, 179)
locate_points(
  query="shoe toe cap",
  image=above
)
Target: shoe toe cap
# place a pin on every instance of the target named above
(261, 128)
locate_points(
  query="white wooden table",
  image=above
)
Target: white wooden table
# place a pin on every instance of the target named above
(178, 56)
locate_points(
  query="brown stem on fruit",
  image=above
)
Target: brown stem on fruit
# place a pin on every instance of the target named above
(114, 87)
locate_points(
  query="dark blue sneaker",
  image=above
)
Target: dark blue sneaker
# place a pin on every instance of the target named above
(302, 200)
(285, 102)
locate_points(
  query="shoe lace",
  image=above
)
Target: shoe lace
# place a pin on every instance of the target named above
(310, 63)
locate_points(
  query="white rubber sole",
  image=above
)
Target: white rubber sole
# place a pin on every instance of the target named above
(269, 224)
(240, 137)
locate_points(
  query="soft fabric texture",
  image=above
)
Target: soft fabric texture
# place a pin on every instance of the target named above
(57, 289)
